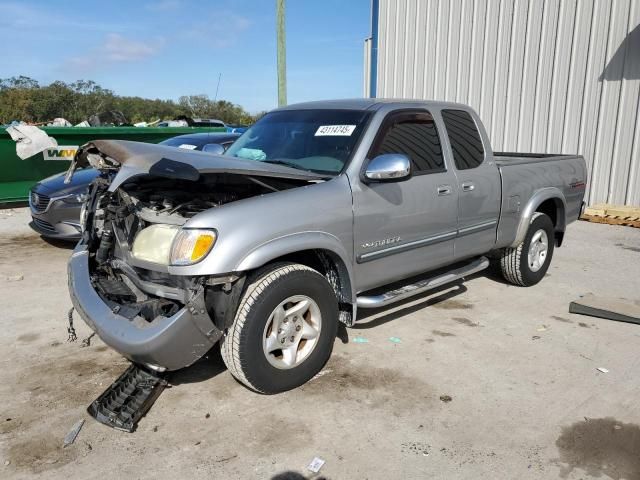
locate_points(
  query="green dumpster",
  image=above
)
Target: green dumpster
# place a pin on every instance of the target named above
(18, 176)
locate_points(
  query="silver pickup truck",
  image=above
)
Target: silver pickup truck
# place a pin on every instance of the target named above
(317, 210)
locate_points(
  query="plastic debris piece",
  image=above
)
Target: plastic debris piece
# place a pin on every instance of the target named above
(610, 308)
(59, 122)
(30, 140)
(535, 337)
(14, 278)
(321, 373)
(395, 340)
(542, 328)
(128, 399)
(602, 369)
(73, 433)
(360, 340)
(445, 398)
(315, 465)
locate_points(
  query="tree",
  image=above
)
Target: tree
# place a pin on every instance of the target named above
(23, 98)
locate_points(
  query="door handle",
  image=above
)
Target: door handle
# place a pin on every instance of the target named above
(444, 190)
(468, 187)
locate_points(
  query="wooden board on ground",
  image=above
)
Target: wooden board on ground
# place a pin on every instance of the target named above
(613, 215)
(627, 222)
(603, 209)
(621, 310)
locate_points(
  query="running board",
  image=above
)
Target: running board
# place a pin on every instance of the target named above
(392, 296)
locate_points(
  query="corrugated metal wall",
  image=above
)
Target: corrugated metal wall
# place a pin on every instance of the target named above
(544, 75)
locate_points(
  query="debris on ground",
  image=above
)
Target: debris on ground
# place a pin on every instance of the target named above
(14, 278)
(542, 328)
(360, 340)
(417, 448)
(128, 399)
(395, 340)
(618, 309)
(207, 415)
(226, 459)
(321, 373)
(445, 398)
(73, 433)
(71, 331)
(87, 341)
(602, 369)
(535, 337)
(315, 465)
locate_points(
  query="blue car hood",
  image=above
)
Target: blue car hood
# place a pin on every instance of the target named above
(55, 186)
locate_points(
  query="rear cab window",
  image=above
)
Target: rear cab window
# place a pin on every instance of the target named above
(464, 137)
(415, 135)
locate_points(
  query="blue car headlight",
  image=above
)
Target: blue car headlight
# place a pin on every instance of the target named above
(75, 198)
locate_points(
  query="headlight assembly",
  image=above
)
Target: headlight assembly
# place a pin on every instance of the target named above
(192, 245)
(170, 245)
(75, 198)
(153, 244)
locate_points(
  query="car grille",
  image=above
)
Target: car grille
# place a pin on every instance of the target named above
(42, 225)
(39, 202)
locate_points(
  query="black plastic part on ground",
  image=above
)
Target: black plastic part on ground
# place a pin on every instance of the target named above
(128, 399)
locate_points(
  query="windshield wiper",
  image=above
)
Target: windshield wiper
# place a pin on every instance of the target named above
(283, 162)
(298, 167)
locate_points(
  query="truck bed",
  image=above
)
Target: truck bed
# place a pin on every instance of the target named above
(524, 174)
(504, 159)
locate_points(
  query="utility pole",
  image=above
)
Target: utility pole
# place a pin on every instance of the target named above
(282, 53)
(215, 99)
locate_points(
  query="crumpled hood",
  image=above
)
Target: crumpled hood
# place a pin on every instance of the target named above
(137, 158)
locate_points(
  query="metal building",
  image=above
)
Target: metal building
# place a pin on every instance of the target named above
(553, 76)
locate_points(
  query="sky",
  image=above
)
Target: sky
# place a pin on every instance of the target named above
(168, 48)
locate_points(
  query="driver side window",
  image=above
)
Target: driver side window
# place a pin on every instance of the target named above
(414, 135)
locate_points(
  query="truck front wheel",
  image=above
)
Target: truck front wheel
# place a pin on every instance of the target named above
(284, 329)
(526, 264)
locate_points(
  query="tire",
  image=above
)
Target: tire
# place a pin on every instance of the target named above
(249, 348)
(514, 262)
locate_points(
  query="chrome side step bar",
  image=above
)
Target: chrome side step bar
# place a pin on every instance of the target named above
(384, 299)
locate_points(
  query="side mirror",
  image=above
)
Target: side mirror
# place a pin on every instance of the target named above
(214, 148)
(390, 167)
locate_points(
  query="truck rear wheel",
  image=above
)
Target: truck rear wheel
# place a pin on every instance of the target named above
(526, 264)
(284, 329)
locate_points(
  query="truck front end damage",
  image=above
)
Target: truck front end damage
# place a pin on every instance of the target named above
(125, 274)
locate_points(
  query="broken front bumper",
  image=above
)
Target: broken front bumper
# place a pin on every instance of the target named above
(167, 343)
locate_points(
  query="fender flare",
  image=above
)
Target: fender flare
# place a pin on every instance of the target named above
(297, 242)
(547, 193)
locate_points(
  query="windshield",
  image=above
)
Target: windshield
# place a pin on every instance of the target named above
(316, 140)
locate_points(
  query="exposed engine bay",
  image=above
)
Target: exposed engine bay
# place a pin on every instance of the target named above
(131, 233)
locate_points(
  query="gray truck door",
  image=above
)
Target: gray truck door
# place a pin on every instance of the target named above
(406, 227)
(478, 184)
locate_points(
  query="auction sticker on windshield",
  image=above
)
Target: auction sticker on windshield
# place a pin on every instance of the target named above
(335, 130)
